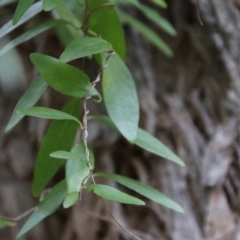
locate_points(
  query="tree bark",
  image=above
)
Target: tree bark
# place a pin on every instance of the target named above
(191, 103)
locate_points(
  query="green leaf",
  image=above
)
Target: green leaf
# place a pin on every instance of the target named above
(156, 18)
(152, 14)
(105, 22)
(120, 97)
(77, 171)
(51, 4)
(67, 15)
(63, 77)
(22, 7)
(48, 206)
(83, 47)
(113, 194)
(65, 155)
(144, 190)
(36, 30)
(160, 3)
(80, 156)
(6, 223)
(31, 12)
(47, 113)
(68, 33)
(60, 136)
(150, 35)
(70, 199)
(29, 98)
(146, 141)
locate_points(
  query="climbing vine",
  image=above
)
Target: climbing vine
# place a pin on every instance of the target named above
(88, 29)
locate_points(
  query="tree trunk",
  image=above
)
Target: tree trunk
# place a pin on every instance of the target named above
(191, 103)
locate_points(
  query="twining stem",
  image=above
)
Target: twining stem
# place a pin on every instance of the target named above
(85, 136)
(86, 112)
(15, 219)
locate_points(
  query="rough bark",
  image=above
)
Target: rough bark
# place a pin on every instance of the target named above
(190, 102)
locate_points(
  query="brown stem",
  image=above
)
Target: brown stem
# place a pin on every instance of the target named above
(15, 219)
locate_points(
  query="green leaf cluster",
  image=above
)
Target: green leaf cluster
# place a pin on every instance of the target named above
(92, 31)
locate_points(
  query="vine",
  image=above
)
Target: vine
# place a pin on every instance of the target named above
(102, 38)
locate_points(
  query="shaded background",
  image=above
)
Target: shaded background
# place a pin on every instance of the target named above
(190, 102)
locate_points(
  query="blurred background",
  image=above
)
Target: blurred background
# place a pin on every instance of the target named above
(190, 101)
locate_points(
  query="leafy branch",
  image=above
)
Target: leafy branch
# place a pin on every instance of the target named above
(107, 46)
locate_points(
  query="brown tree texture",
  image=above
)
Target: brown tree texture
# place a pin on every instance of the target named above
(190, 101)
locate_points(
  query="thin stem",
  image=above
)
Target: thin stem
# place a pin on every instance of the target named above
(86, 112)
(15, 219)
(85, 125)
(119, 224)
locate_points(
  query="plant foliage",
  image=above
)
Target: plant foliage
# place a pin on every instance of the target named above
(92, 29)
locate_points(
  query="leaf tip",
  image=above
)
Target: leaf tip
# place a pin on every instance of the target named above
(14, 21)
(35, 190)
(33, 56)
(141, 203)
(183, 164)
(179, 209)
(180, 162)
(7, 129)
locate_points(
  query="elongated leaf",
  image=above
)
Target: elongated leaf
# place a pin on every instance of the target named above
(105, 22)
(144, 190)
(65, 155)
(51, 4)
(160, 3)
(63, 77)
(31, 12)
(120, 97)
(30, 97)
(47, 113)
(36, 30)
(152, 144)
(83, 47)
(152, 15)
(156, 18)
(48, 206)
(22, 7)
(145, 140)
(64, 34)
(113, 194)
(80, 156)
(67, 15)
(60, 136)
(70, 199)
(76, 171)
(6, 223)
(150, 35)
